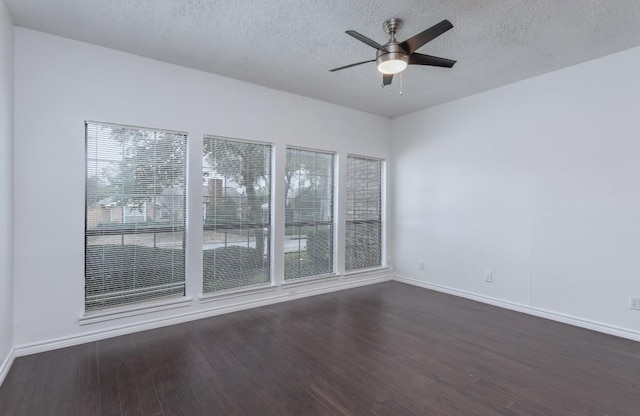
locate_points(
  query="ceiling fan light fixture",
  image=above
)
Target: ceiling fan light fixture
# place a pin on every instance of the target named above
(393, 60)
(392, 66)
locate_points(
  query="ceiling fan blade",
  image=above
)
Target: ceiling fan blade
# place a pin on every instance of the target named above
(364, 39)
(386, 79)
(420, 59)
(349, 66)
(413, 44)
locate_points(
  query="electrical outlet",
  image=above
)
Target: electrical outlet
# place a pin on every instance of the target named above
(488, 276)
(634, 303)
(421, 265)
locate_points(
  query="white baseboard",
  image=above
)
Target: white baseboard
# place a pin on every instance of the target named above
(300, 292)
(541, 313)
(6, 365)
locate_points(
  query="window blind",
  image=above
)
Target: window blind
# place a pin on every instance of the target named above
(134, 216)
(363, 243)
(236, 195)
(309, 221)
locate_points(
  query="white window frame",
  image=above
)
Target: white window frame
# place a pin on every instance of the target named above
(334, 222)
(97, 313)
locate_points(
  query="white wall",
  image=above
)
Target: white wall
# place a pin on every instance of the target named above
(539, 182)
(6, 184)
(61, 83)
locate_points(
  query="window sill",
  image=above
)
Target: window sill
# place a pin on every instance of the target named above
(234, 293)
(310, 280)
(364, 272)
(139, 309)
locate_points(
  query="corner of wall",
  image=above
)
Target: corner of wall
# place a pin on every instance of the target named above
(7, 53)
(7, 363)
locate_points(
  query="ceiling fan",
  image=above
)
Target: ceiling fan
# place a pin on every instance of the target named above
(393, 57)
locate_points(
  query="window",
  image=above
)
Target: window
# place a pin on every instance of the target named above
(308, 248)
(236, 196)
(135, 215)
(363, 243)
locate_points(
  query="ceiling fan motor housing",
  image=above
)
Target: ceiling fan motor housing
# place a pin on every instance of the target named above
(395, 52)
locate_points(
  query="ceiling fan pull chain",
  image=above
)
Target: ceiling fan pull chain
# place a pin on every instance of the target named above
(401, 83)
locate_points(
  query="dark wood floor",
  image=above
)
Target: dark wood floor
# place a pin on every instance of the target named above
(387, 349)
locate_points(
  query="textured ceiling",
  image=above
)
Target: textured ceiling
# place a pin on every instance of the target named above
(290, 45)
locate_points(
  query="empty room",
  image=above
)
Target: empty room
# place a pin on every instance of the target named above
(320, 208)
